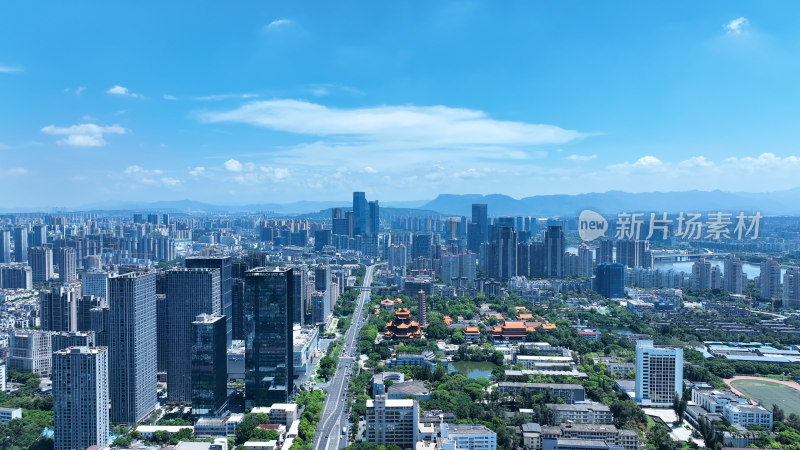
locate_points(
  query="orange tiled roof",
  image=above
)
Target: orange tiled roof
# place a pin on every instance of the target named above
(472, 330)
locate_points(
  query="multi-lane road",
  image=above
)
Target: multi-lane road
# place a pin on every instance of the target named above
(329, 435)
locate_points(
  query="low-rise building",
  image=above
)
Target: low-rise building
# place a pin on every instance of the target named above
(467, 437)
(738, 414)
(570, 393)
(591, 413)
(7, 413)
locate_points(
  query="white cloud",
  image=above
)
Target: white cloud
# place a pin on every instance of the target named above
(216, 97)
(645, 164)
(121, 90)
(580, 157)
(14, 171)
(696, 161)
(169, 97)
(369, 169)
(84, 135)
(79, 90)
(736, 26)
(279, 23)
(10, 69)
(470, 173)
(140, 175)
(197, 171)
(419, 126)
(233, 165)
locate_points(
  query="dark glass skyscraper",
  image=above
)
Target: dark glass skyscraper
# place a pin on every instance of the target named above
(209, 365)
(269, 358)
(225, 266)
(190, 292)
(132, 346)
(360, 214)
(5, 246)
(21, 244)
(610, 280)
(555, 248)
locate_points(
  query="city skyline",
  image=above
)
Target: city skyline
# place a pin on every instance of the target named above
(288, 102)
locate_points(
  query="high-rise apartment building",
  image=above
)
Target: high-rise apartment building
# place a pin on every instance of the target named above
(659, 374)
(80, 398)
(269, 341)
(770, 279)
(503, 253)
(67, 265)
(701, 274)
(59, 308)
(132, 346)
(41, 262)
(791, 287)
(734, 275)
(605, 251)
(96, 283)
(15, 276)
(190, 292)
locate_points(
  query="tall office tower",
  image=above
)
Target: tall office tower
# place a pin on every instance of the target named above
(224, 264)
(538, 255)
(269, 345)
(41, 262)
(391, 421)
(659, 374)
(99, 325)
(503, 254)
(421, 247)
(322, 278)
(67, 265)
(610, 280)
(138, 218)
(524, 259)
(162, 331)
(65, 339)
(153, 219)
(38, 236)
(165, 219)
(605, 251)
(15, 276)
(770, 277)
(319, 307)
(237, 330)
(585, 259)
(734, 275)
(360, 214)
(80, 398)
(209, 365)
(86, 303)
(29, 351)
(132, 346)
(474, 237)
(190, 292)
(5, 246)
(96, 283)
(337, 213)
(59, 308)
(342, 222)
(374, 218)
(554, 248)
(422, 312)
(480, 215)
(791, 287)
(21, 244)
(321, 239)
(300, 293)
(701, 274)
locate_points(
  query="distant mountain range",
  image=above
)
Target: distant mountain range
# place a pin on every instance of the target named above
(611, 202)
(770, 203)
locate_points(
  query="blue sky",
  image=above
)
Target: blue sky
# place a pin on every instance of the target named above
(239, 102)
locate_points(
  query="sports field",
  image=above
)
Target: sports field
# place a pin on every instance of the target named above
(768, 393)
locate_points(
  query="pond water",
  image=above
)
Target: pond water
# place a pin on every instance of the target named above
(474, 369)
